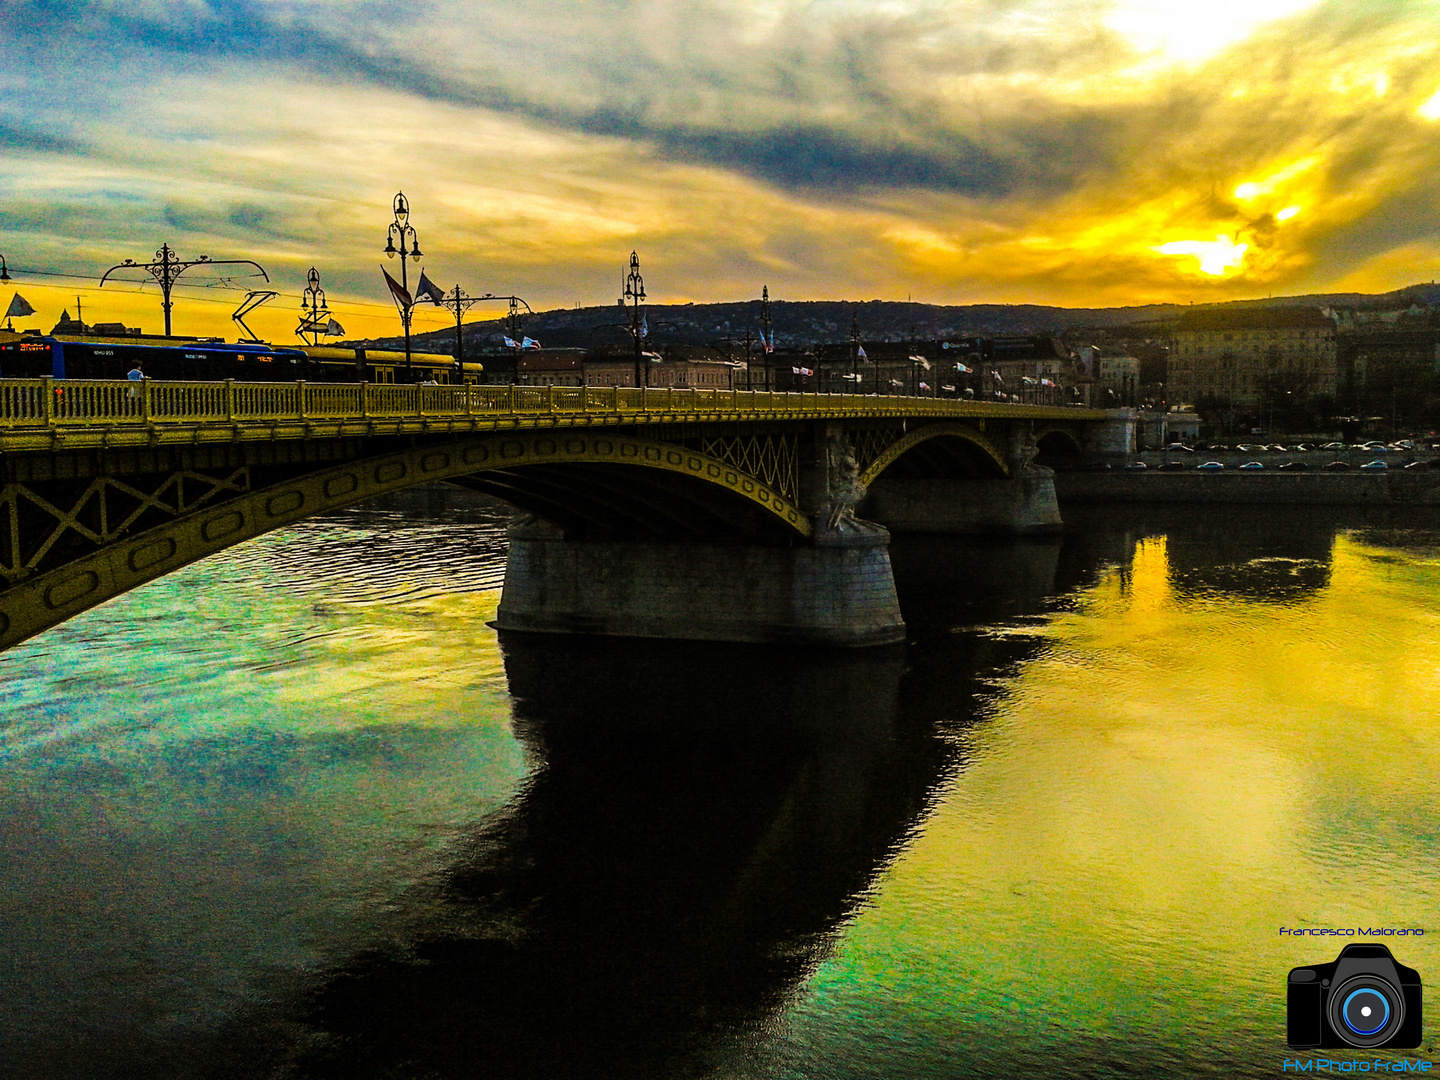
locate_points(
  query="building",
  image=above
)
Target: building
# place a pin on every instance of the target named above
(611, 367)
(1237, 357)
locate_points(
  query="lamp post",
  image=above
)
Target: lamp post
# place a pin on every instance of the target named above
(635, 293)
(404, 232)
(458, 302)
(314, 306)
(855, 351)
(767, 343)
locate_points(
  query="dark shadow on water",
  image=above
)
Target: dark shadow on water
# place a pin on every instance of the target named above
(701, 822)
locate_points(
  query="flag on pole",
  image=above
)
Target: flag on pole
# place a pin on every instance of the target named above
(769, 345)
(19, 307)
(334, 329)
(529, 343)
(511, 343)
(924, 386)
(998, 379)
(402, 297)
(962, 369)
(860, 352)
(644, 326)
(921, 361)
(429, 290)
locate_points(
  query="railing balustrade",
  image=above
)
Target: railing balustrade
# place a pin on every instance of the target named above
(28, 403)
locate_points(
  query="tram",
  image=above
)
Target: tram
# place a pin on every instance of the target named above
(96, 356)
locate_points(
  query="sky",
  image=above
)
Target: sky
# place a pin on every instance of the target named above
(1069, 152)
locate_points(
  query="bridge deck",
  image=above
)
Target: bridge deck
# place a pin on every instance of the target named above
(40, 414)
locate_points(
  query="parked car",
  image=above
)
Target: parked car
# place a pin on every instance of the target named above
(1295, 465)
(1338, 465)
(1173, 466)
(1179, 446)
(1252, 465)
(1135, 465)
(1377, 464)
(1210, 466)
(1334, 446)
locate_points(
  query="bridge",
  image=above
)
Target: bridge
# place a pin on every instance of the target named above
(712, 514)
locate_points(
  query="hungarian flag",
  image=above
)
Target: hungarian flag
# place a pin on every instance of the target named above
(397, 290)
(18, 307)
(429, 290)
(334, 329)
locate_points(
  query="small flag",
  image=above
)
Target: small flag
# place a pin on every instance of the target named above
(998, 378)
(962, 369)
(1046, 382)
(860, 352)
(921, 361)
(805, 371)
(924, 386)
(429, 290)
(529, 343)
(511, 343)
(402, 297)
(334, 329)
(18, 307)
(947, 388)
(644, 326)
(769, 345)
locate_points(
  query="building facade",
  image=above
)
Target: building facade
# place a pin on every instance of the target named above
(1251, 356)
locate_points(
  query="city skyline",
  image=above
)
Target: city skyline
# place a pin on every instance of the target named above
(1037, 151)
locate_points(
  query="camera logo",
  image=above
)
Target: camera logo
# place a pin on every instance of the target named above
(1364, 1000)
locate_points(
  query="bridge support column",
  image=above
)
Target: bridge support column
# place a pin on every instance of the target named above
(837, 592)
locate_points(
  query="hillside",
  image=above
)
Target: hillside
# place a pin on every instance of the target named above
(800, 324)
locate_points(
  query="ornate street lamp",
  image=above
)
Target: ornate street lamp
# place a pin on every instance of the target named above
(315, 309)
(635, 293)
(404, 232)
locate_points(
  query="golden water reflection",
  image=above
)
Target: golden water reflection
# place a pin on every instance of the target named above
(1201, 752)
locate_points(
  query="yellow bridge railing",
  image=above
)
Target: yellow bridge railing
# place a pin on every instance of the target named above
(49, 403)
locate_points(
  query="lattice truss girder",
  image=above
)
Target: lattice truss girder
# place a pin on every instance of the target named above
(770, 458)
(867, 444)
(46, 525)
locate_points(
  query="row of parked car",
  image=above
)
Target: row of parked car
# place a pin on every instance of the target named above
(1333, 466)
(1374, 447)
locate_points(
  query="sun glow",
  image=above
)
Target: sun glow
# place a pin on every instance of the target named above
(1287, 213)
(1216, 256)
(1431, 109)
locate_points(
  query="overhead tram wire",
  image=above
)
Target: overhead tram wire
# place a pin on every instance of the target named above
(349, 307)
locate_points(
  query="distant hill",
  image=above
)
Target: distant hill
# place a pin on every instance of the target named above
(802, 324)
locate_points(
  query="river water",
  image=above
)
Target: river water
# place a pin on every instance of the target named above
(296, 811)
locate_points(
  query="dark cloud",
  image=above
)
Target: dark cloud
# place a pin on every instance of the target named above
(20, 138)
(892, 144)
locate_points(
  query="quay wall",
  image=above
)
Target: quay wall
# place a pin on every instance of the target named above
(1316, 488)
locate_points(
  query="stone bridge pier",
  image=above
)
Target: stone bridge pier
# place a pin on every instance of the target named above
(831, 586)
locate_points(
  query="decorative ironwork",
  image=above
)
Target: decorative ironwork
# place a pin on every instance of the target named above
(774, 459)
(167, 268)
(868, 443)
(36, 534)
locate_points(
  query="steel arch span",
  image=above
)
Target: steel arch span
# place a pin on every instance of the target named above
(496, 463)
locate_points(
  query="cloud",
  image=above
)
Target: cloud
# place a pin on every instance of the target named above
(1040, 150)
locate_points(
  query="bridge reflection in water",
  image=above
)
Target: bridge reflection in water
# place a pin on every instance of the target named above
(700, 823)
